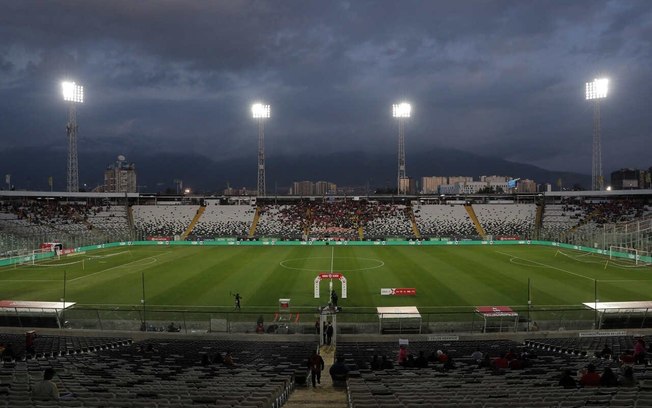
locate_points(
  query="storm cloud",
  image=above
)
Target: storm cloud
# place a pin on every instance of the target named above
(498, 78)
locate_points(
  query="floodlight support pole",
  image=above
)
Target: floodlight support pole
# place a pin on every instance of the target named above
(597, 181)
(63, 300)
(261, 158)
(401, 155)
(73, 167)
(142, 278)
(595, 306)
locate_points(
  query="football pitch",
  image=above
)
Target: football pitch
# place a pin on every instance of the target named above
(206, 278)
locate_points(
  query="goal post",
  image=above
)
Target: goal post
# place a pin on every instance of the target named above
(631, 254)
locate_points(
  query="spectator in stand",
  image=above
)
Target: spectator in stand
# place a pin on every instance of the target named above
(46, 389)
(421, 361)
(441, 357)
(627, 358)
(228, 360)
(486, 362)
(410, 362)
(608, 378)
(402, 354)
(501, 363)
(8, 354)
(316, 366)
(567, 380)
(626, 379)
(589, 377)
(477, 356)
(639, 351)
(605, 353)
(339, 371)
(432, 358)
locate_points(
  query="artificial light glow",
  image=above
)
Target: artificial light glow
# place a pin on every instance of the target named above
(597, 89)
(259, 110)
(401, 110)
(72, 92)
(608, 188)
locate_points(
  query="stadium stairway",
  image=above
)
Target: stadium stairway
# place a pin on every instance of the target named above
(254, 223)
(538, 221)
(194, 222)
(478, 227)
(413, 222)
(325, 395)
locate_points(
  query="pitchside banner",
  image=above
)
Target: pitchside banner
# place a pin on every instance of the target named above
(398, 291)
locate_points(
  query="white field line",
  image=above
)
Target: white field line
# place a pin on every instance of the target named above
(116, 267)
(545, 265)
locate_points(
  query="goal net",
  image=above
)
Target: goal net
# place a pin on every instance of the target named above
(634, 255)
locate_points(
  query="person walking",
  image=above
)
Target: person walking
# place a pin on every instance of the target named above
(329, 334)
(237, 301)
(316, 365)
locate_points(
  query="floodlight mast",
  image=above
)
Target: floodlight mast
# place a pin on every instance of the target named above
(595, 91)
(73, 94)
(261, 112)
(401, 111)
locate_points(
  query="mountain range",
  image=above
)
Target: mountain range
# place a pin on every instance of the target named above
(31, 167)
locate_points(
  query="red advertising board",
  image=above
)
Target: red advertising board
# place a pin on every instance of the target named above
(398, 291)
(330, 275)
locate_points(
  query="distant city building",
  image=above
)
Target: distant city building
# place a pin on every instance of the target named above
(242, 191)
(408, 185)
(325, 188)
(498, 186)
(120, 177)
(494, 179)
(459, 179)
(303, 188)
(630, 179)
(430, 185)
(526, 186)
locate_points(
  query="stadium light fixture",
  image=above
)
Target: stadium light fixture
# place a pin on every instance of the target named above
(597, 89)
(401, 110)
(260, 111)
(72, 92)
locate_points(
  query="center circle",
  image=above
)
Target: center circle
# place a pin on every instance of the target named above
(326, 262)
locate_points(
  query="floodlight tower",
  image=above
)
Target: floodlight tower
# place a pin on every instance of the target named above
(73, 94)
(595, 91)
(261, 112)
(401, 111)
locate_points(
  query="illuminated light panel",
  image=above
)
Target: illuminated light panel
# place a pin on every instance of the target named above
(401, 110)
(597, 89)
(258, 110)
(72, 92)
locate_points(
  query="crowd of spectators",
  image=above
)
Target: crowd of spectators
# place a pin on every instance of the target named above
(71, 223)
(337, 219)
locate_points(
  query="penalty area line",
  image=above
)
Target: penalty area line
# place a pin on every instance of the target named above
(545, 265)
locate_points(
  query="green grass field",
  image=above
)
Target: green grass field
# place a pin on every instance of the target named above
(204, 277)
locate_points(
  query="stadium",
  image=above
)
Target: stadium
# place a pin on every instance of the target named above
(557, 275)
(421, 230)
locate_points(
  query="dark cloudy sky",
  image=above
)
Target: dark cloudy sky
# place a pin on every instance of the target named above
(500, 78)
